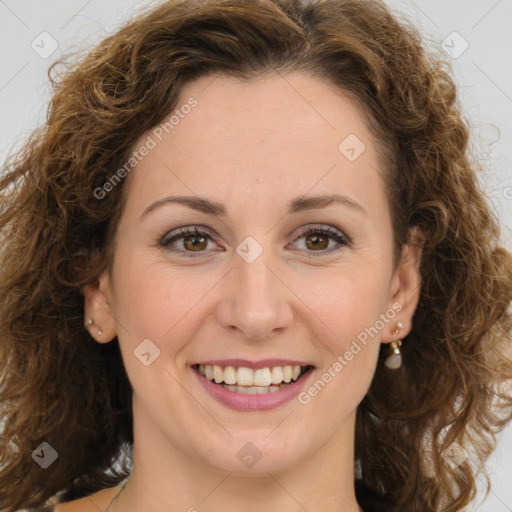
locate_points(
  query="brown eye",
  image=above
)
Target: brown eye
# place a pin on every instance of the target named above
(317, 242)
(191, 242)
(195, 242)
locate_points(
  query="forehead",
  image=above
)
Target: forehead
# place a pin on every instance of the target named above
(286, 132)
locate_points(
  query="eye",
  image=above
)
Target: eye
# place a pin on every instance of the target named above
(194, 241)
(317, 240)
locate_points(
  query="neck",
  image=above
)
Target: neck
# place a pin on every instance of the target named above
(166, 477)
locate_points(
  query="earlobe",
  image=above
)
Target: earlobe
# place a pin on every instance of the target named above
(98, 313)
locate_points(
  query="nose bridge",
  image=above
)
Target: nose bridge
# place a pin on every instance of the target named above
(257, 278)
(257, 303)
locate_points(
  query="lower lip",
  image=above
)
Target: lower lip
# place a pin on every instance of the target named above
(246, 403)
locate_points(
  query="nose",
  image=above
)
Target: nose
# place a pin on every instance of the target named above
(255, 301)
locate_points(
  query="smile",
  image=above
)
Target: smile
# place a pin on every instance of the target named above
(252, 389)
(252, 382)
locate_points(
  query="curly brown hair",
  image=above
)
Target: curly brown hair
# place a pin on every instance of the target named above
(58, 385)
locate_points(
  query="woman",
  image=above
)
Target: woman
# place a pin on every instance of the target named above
(247, 265)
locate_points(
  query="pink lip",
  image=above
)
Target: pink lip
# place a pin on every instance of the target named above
(253, 364)
(246, 403)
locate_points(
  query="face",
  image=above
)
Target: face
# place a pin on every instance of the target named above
(274, 276)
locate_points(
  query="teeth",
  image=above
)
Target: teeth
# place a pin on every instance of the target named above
(230, 375)
(244, 376)
(252, 390)
(277, 374)
(262, 377)
(287, 373)
(218, 374)
(265, 378)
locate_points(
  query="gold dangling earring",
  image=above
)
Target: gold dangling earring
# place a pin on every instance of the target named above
(394, 360)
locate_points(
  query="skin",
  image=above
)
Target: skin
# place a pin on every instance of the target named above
(252, 146)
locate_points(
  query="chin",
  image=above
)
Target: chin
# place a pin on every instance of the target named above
(256, 451)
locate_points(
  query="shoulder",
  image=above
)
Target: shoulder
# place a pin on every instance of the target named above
(92, 503)
(43, 508)
(98, 501)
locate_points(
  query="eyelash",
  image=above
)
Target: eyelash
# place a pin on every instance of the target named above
(332, 233)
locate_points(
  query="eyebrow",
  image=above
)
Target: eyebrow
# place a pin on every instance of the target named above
(296, 205)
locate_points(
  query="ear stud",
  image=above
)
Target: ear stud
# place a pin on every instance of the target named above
(399, 325)
(90, 322)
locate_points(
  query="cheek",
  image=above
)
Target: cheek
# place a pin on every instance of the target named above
(347, 301)
(349, 305)
(157, 301)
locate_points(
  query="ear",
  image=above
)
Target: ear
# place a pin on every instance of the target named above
(99, 319)
(405, 287)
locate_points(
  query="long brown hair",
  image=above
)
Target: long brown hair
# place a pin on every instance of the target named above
(58, 385)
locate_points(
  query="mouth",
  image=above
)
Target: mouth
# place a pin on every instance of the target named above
(248, 381)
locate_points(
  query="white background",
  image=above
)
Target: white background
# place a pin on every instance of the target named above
(483, 72)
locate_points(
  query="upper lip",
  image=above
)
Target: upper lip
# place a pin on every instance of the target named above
(263, 363)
